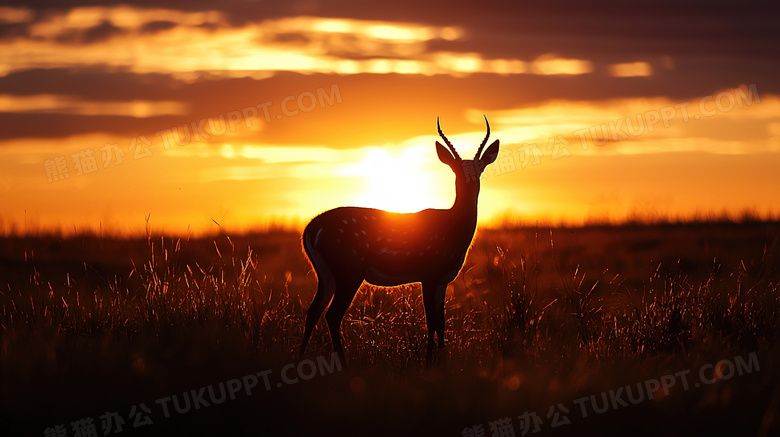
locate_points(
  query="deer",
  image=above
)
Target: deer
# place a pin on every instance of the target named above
(349, 245)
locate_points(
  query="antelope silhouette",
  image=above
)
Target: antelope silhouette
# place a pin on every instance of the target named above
(349, 245)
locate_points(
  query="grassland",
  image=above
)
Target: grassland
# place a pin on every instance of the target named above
(539, 318)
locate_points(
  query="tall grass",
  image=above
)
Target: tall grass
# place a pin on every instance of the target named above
(524, 304)
(496, 309)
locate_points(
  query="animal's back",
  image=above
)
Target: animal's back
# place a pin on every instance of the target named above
(387, 248)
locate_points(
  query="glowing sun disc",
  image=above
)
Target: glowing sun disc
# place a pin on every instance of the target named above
(398, 183)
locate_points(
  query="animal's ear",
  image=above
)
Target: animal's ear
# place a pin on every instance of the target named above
(490, 154)
(444, 155)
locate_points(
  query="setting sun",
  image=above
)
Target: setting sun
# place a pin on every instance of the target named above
(397, 182)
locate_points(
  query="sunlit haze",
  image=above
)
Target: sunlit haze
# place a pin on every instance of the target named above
(250, 114)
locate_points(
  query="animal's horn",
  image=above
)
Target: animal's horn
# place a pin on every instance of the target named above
(481, 146)
(446, 141)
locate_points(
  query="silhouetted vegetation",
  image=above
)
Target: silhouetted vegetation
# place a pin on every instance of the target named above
(537, 317)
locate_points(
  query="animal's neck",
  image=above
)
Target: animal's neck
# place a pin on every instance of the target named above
(465, 208)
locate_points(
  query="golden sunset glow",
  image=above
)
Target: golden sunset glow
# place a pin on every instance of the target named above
(399, 183)
(113, 113)
(461, 218)
(631, 69)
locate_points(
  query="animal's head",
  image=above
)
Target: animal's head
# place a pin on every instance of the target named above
(467, 172)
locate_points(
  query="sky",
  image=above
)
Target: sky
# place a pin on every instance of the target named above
(199, 116)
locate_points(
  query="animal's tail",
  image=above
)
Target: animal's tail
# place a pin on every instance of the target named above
(311, 235)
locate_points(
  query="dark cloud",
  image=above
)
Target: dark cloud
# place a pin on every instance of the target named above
(694, 48)
(157, 26)
(96, 84)
(290, 38)
(370, 103)
(102, 32)
(14, 30)
(604, 31)
(36, 125)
